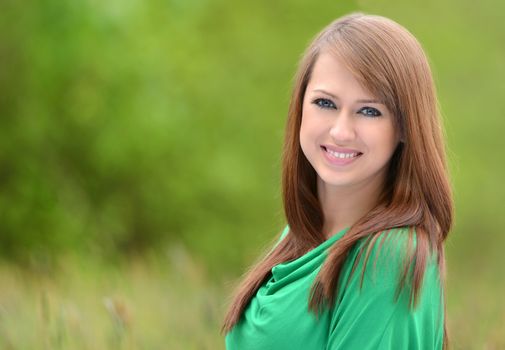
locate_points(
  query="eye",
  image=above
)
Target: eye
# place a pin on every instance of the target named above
(370, 112)
(324, 103)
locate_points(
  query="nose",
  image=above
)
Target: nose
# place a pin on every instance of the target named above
(343, 128)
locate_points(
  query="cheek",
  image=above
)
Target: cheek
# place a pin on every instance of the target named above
(382, 139)
(308, 134)
(312, 124)
(389, 142)
(304, 135)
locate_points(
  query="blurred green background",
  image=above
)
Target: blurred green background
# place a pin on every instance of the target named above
(140, 146)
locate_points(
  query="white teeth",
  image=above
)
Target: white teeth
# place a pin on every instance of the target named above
(341, 155)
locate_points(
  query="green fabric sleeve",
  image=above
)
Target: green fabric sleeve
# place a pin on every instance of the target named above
(370, 318)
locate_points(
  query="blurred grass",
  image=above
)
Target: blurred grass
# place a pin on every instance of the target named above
(148, 303)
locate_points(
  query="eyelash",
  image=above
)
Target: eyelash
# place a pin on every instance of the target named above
(318, 101)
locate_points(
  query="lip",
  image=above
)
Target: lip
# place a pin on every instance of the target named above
(339, 161)
(340, 149)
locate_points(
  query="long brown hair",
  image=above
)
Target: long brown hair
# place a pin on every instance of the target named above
(390, 63)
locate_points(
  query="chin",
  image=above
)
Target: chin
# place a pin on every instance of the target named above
(336, 181)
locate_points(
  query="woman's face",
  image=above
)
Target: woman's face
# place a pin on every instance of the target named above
(347, 135)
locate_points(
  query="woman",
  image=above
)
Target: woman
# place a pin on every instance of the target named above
(360, 264)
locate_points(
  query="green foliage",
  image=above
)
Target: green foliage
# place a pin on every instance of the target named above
(126, 125)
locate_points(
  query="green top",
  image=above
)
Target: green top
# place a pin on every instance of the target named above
(278, 317)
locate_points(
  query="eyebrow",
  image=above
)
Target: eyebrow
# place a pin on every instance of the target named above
(360, 101)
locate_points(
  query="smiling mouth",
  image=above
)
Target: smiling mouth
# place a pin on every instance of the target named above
(342, 155)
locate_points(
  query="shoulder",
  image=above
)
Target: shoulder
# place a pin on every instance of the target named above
(386, 247)
(373, 310)
(389, 258)
(397, 244)
(398, 241)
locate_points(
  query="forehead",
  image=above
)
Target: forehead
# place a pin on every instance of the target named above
(331, 74)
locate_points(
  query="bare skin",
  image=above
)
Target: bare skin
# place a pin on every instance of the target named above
(348, 136)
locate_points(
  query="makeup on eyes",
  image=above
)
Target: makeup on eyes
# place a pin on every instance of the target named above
(325, 103)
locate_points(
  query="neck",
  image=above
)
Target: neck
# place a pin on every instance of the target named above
(344, 206)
